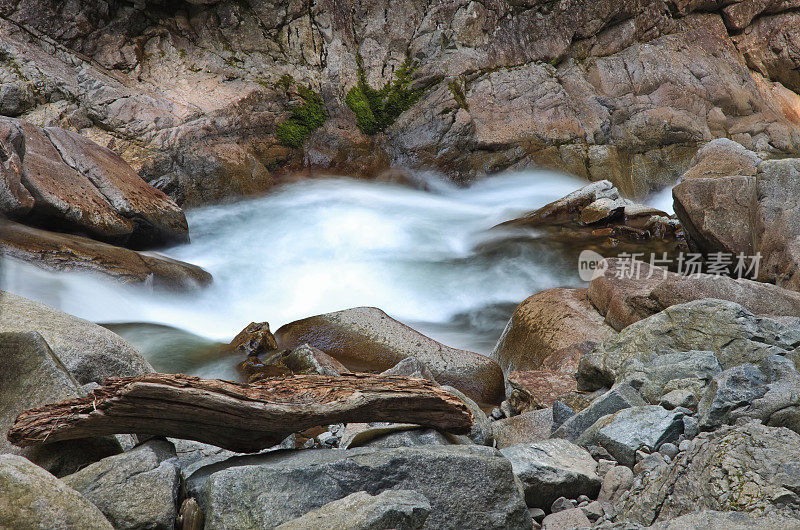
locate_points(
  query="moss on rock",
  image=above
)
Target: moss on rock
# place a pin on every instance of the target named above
(377, 109)
(304, 119)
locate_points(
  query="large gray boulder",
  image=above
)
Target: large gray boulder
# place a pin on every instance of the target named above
(776, 226)
(748, 468)
(551, 469)
(467, 486)
(635, 428)
(32, 498)
(716, 520)
(731, 332)
(89, 352)
(32, 376)
(690, 371)
(620, 397)
(527, 427)
(392, 509)
(769, 392)
(137, 489)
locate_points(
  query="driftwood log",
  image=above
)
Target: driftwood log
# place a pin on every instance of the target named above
(239, 417)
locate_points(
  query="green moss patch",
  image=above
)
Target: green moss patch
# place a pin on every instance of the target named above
(377, 109)
(304, 119)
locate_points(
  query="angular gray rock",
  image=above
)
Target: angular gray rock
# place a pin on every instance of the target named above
(734, 334)
(468, 486)
(551, 469)
(89, 352)
(137, 489)
(391, 509)
(527, 427)
(769, 392)
(716, 520)
(635, 428)
(32, 376)
(620, 397)
(32, 498)
(691, 371)
(410, 367)
(748, 468)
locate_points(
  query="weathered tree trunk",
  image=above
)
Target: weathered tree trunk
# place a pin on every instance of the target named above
(239, 417)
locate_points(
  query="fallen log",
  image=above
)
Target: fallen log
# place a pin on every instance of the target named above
(240, 417)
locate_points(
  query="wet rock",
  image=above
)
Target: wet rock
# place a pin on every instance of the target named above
(80, 186)
(368, 339)
(634, 428)
(88, 351)
(538, 389)
(524, 428)
(749, 468)
(474, 486)
(618, 398)
(624, 298)
(565, 520)
(546, 323)
(731, 332)
(137, 489)
(55, 251)
(551, 469)
(33, 498)
(253, 340)
(767, 392)
(391, 509)
(32, 376)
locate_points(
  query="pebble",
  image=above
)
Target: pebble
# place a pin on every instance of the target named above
(604, 466)
(584, 498)
(669, 450)
(684, 445)
(506, 408)
(593, 511)
(497, 414)
(537, 514)
(690, 428)
(561, 504)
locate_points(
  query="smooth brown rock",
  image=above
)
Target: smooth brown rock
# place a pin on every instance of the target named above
(722, 158)
(157, 220)
(625, 300)
(367, 339)
(254, 339)
(544, 324)
(65, 252)
(566, 359)
(538, 389)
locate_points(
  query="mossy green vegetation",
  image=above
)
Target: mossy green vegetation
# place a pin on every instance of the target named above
(377, 109)
(304, 119)
(457, 89)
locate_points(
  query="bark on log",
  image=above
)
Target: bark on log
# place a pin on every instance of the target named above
(239, 417)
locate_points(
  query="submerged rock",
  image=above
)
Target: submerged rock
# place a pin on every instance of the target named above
(367, 339)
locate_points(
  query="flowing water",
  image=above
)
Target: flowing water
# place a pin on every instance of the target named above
(424, 257)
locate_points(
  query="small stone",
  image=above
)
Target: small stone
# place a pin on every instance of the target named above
(668, 449)
(582, 504)
(616, 482)
(497, 414)
(599, 453)
(684, 445)
(593, 511)
(583, 498)
(690, 427)
(561, 504)
(537, 514)
(604, 466)
(566, 520)
(508, 411)
(680, 397)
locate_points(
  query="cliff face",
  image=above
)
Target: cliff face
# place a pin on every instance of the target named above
(190, 92)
